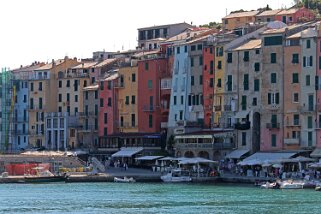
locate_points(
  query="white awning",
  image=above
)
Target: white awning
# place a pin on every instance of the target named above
(266, 157)
(194, 136)
(237, 154)
(168, 159)
(241, 114)
(147, 158)
(196, 161)
(127, 151)
(316, 153)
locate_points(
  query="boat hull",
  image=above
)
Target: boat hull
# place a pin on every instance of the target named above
(45, 179)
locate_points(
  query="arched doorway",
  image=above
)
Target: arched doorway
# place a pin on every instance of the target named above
(203, 154)
(256, 136)
(189, 154)
(217, 155)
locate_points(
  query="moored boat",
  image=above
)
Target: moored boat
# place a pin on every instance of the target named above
(176, 176)
(290, 184)
(44, 179)
(124, 180)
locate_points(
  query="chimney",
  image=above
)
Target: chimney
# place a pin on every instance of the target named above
(53, 63)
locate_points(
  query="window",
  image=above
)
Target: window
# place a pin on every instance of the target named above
(31, 86)
(76, 98)
(295, 97)
(40, 103)
(273, 40)
(150, 84)
(310, 138)
(96, 94)
(296, 119)
(274, 120)
(76, 110)
(219, 64)
(133, 99)
(257, 66)
(68, 97)
(256, 85)
(311, 61)
(192, 80)
(101, 85)
(319, 120)
(273, 140)
(192, 62)
(193, 48)
(174, 100)
(308, 43)
(212, 67)
(105, 118)
(150, 121)
(219, 83)
(201, 79)
(246, 82)
(96, 110)
(295, 58)
(146, 66)
(273, 57)
(254, 101)
(93, 79)
(229, 82)
(109, 101)
(182, 100)
(295, 78)
(185, 48)
(243, 138)
(310, 124)
(304, 61)
(246, 56)
(229, 57)
(133, 120)
(59, 97)
(86, 95)
(178, 50)
(273, 98)
(199, 47)
(244, 102)
(68, 83)
(200, 60)
(211, 82)
(60, 84)
(101, 102)
(40, 86)
(257, 51)
(127, 100)
(133, 77)
(320, 62)
(273, 77)
(197, 100)
(307, 80)
(105, 131)
(180, 115)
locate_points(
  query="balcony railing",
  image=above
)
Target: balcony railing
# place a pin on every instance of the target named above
(217, 146)
(292, 141)
(273, 125)
(218, 108)
(306, 109)
(149, 108)
(119, 85)
(294, 123)
(243, 126)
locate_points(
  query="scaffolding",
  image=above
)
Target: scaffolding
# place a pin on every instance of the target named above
(8, 94)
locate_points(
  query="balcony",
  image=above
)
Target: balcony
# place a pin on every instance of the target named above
(34, 133)
(36, 108)
(218, 108)
(88, 129)
(295, 123)
(227, 107)
(306, 109)
(292, 141)
(164, 125)
(216, 146)
(243, 126)
(273, 125)
(119, 85)
(73, 75)
(166, 84)
(149, 108)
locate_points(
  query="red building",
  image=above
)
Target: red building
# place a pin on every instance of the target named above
(108, 121)
(150, 72)
(208, 86)
(295, 15)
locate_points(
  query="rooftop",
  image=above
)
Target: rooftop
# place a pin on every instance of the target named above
(85, 65)
(252, 44)
(50, 65)
(27, 68)
(307, 33)
(105, 62)
(269, 13)
(91, 88)
(163, 26)
(288, 12)
(241, 14)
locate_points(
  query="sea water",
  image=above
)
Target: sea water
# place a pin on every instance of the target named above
(153, 198)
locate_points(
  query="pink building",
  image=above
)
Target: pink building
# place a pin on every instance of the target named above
(295, 15)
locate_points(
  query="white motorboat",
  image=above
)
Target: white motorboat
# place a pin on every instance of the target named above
(124, 180)
(176, 176)
(292, 184)
(269, 185)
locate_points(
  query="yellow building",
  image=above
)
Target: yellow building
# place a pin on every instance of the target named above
(43, 97)
(127, 99)
(236, 20)
(219, 83)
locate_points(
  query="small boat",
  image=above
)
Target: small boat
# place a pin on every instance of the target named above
(177, 176)
(268, 185)
(124, 180)
(290, 184)
(43, 176)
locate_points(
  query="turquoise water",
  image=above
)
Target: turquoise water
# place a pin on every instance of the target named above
(153, 198)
